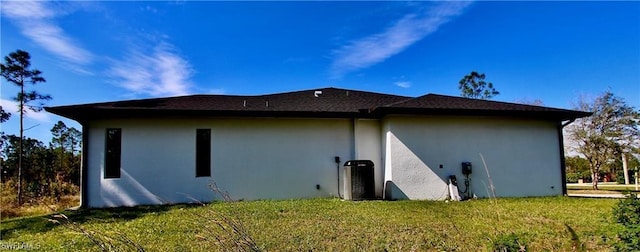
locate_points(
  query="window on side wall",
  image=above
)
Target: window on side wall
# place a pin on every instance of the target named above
(113, 152)
(203, 152)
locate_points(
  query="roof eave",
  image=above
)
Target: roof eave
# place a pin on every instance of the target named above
(81, 114)
(543, 115)
(84, 114)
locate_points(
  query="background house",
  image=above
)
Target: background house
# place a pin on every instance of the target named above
(292, 145)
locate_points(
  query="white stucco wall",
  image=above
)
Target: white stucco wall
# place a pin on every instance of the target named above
(276, 158)
(523, 157)
(259, 158)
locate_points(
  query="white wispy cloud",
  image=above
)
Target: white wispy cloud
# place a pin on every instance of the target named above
(12, 107)
(403, 84)
(154, 71)
(35, 20)
(365, 52)
(163, 72)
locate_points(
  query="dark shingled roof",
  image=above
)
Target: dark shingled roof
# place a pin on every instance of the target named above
(434, 104)
(323, 103)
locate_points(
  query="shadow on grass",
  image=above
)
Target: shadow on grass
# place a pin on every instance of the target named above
(576, 245)
(11, 228)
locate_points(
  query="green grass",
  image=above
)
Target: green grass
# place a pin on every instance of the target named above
(555, 224)
(603, 186)
(584, 191)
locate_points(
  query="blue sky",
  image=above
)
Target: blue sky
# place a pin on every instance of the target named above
(105, 51)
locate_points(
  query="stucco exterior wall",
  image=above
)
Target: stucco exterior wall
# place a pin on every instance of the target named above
(523, 157)
(255, 158)
(277, 158)
(368, 147)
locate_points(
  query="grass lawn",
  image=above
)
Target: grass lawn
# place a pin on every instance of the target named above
(604, 188)
(577, 191)
(555, 224)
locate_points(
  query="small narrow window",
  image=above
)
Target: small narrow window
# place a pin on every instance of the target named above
(203, 153)
(113, 153)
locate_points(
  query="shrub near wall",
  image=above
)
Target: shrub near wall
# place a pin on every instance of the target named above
(627, 213)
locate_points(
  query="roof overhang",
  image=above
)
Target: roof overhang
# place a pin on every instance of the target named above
(88, 114)
(333, 103)
(540, 115)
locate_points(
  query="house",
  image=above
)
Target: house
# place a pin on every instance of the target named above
(294, 145)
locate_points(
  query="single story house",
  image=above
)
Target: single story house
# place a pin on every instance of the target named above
(294, 145)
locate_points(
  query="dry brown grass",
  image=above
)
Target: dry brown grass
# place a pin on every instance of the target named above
(44, 205)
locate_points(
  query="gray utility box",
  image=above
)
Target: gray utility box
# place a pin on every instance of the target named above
(359, 181)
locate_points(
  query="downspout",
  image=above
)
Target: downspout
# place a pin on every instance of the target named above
(337, 160)
(353, 155)
(563, 165)
(84, 203)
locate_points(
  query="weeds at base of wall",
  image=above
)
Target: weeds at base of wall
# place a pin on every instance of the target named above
(509, 241)
(504, 241)
(224, 230)
(221, 231)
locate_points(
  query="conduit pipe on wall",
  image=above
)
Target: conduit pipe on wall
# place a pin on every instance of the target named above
(337, 159)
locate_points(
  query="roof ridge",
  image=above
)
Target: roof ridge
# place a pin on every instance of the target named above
(400, 102)
(333, 88)
(480, 103)
(500, 102)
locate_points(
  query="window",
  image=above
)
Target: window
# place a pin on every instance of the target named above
(112, 153)
(203, 153)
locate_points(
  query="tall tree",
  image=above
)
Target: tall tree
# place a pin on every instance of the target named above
(16, 69)
(473, 86)
(66, 142)
(75, 142)
(74, 139)
(59, 141)
(611, 130)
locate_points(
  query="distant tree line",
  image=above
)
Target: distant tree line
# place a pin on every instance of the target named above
(51, 170)
(578, 169)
